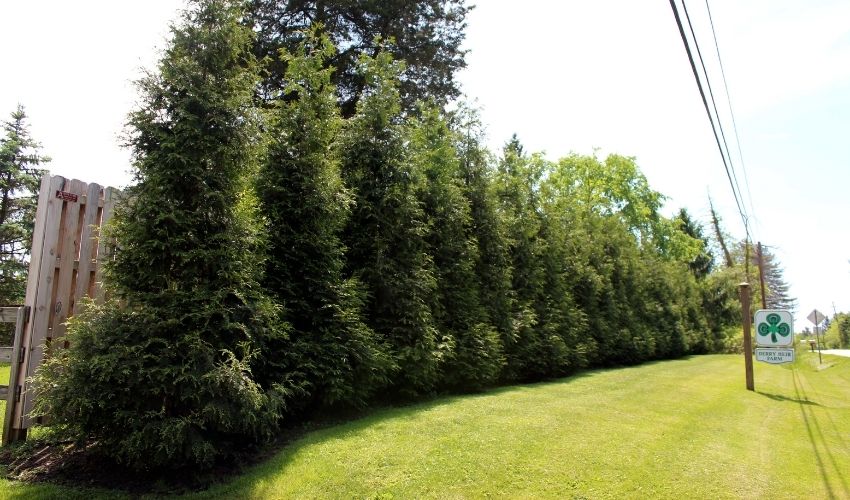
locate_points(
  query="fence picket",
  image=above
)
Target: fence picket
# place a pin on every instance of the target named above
(88, 246)
(65, 263)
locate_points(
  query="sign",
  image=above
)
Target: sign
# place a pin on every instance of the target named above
(816, 317)
(774, 328)
(66, 196)
(775, 356)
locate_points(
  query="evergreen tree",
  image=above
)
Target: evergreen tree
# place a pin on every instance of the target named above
(426, 34)
(493, 266)
(19, 182)
(778, 291)
(538, 349)
(476, 358)
(702, 264)
(386, 233)
(180, 374)
(334, 355)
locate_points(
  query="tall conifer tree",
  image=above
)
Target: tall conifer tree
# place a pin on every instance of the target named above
(476, 358)
(170, 377)
(493, 267)
(386, 233)
(333, 353)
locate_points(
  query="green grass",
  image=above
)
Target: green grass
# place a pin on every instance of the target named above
(675, 429)
(4, 380)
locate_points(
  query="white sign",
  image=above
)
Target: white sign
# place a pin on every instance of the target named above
(774, 328)
(775, 356)
(816, 317)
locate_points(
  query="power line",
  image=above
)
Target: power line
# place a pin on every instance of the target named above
(737, 185)
(732, 184)
(731, 113)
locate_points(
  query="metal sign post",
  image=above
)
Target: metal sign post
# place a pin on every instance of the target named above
(817, 318)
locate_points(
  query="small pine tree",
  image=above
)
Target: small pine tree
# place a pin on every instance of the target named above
(177, 375)
(333, 354)
(386, 233)
(19, 178)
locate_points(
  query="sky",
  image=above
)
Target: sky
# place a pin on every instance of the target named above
(610, 76)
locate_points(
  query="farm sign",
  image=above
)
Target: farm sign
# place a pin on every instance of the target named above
(774, 328)
(775, 356)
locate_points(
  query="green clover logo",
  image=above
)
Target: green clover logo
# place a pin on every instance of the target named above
(774, 326)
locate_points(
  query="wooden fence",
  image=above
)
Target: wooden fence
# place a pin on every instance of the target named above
(12, 355)
(64, 267)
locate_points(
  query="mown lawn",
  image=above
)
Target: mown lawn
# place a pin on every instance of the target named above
(675, 429)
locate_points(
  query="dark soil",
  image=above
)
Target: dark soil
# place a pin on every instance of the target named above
(67, 464)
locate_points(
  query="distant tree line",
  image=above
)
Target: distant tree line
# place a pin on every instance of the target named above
(284, 249)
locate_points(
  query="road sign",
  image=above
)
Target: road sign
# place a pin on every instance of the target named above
(816, 317)
(774, 328)
(775, 356)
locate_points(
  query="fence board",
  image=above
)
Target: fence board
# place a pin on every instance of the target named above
(13, 428)
(69, 244)
(64, 260)
(88, 246)
(36, 334)
(8, 314)
(104, 247)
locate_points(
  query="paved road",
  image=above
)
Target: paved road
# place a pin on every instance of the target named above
(837, 352)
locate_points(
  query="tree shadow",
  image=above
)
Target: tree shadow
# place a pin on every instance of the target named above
(779, 397)
(824, 459)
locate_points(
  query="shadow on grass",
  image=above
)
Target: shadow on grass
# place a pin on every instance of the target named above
(779, 397)
(323, 430)
(244, 483)
(825, 459)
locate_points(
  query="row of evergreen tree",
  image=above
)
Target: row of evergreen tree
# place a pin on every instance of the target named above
(277, 258)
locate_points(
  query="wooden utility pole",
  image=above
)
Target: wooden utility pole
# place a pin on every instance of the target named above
(744, 289)
(761, 278)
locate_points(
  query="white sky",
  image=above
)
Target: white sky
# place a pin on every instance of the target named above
(565, 76)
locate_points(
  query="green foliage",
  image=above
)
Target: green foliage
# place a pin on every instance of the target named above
(426, 34)
(151, 401)
(272, 263)
(837, 334)
(844, 332)
(19, 181)
(476, 358)
(543, 341)
(777, 289)
(702, 264)
(180, 373)
(333, 354)
(493, 265)
(387, 230)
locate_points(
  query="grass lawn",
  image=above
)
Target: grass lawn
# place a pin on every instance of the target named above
(674, 429)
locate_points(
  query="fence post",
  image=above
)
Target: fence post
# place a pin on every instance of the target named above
(13, 396)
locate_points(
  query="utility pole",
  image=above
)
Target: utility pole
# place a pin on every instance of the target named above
(746, 319)
(761, 278)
